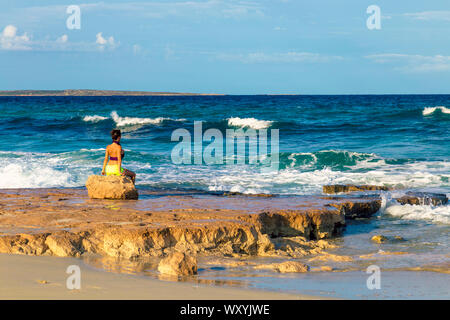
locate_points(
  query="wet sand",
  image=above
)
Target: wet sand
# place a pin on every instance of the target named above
(25, 277)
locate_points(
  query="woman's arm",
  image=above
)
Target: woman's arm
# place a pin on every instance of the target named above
(105, 161)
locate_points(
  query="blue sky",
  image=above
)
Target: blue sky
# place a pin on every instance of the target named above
(234, 47)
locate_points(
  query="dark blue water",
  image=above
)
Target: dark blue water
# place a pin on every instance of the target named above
(392, 140)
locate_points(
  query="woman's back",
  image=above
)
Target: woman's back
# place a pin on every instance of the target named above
(114, 151)
(112, 164)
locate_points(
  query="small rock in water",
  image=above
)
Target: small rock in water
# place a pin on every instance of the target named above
(111, 187)
(326, 268)
(423, 198)
(291, 266)
(285, 267)
(178, 263)
(379, 239)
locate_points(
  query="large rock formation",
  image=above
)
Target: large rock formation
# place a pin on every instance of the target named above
(63, 223)
(178, 263)
(343, 188)
(423, 198)
(111, 187)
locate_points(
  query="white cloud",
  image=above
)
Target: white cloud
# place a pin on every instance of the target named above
(288, 57)
(63, 39)
(9, 40)
(430, 15)
(103, 42)
(413, 63)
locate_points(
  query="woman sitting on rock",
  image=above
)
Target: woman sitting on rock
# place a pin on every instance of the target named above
(114, 153)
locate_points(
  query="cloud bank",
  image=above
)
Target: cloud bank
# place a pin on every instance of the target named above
(413, 63)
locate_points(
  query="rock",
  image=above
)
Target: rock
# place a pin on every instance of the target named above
(291, 266)
(358, 209)
(111, 187)
(178, 263)
(326, 268)
(257, 226)
(285, 267)
(331, 257)
(64, 244)
(423, 198)
(379, 239)
(340, 188)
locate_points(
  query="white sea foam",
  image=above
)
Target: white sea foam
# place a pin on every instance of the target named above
(71, 169)
(42, 170)
(94, 118)
(440, 214)
(250, 179)
(249, 122)
(131, 121)
(430, 110)
(128, 121)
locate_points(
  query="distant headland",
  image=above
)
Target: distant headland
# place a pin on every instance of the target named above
(87, 92)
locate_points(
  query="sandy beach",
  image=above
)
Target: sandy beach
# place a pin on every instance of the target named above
(24, 277)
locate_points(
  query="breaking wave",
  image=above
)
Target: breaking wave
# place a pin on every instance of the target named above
(430, 110)
(128, 121)
(94, 118)
(439, 214)
(249, 123)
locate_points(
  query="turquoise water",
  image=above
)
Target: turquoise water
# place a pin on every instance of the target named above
(395, 140)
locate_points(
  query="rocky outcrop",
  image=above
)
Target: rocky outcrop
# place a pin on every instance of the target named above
(423, 198)
(111, 187)
(178, 264)
(312, 224)
(345, 188)
(358, 209)
(63, 223)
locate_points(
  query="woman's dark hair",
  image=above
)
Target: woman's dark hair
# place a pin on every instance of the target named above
(115, 134)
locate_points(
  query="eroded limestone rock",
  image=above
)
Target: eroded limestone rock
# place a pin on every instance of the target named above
(423, 198)
(178, 264)
(158, 226)
(111, 187)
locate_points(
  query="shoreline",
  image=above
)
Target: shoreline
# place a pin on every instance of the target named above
(239, 241)
(39, 277)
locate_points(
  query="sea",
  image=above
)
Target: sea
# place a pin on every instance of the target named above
(399, 141)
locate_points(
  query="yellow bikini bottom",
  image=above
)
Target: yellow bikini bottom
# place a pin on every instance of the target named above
(113, 170)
